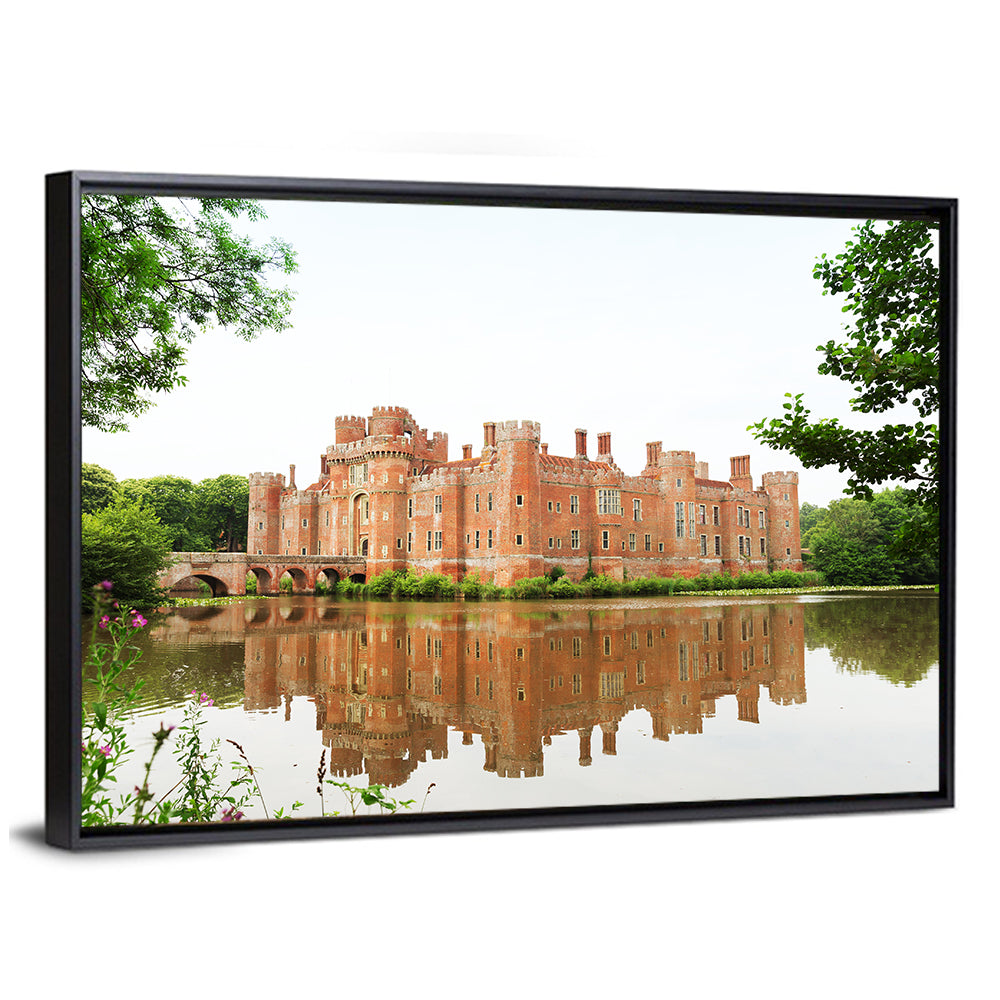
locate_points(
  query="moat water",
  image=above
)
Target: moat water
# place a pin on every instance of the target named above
(520, 705)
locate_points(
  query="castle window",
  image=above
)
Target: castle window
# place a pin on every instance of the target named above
(551, 541)
(327, 519)
(785, 496)
(558, 543)
(550, 506)
(437, 683)
(762, 545)
(649, 543)
(715, 515)
(477, 503)
(704, 631)
(718, 545)
(679, 518)
(788, 552)
(576, 683)
(519, 500)
(574, 539)
(357, 475)
(609, 501)
(741, 545)
(660, 547)
(679, 484)
(640, 672)
(682, 662)
(429, 541)
(409, 507)
(399, 543)
(437, 504)
(739, 516)
(520, 653)
(409, 541)
(437, 540)
(605, 540)
(489, 501)
(477, 539)
(260, 525)
(303, 552)
(519, 539)
(760, 519)
(574, 505)
(319, 548)
(558, 507)
(260, 552)
(489, 538)
(385, 551)
(701, 513)
(631, 541)
(489, 690)
(704, 544)
(786, 524)
(607, 645)
(690, 520)
(282, 520)
(636, 510)
(577, 649)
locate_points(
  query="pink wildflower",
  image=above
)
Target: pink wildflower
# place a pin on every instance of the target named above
(137, 621)
(103, 623)
(105, 584)
(106, 750)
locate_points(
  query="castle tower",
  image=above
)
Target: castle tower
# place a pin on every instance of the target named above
(350, 429)
(518, 502)
(677, 474)
(265, 513)
(783, 546)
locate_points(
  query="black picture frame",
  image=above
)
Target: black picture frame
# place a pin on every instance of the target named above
(64, 192)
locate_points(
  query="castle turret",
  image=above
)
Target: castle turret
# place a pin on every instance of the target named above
(518, 506)
(783, 544)
(265, 512)
(350, 429)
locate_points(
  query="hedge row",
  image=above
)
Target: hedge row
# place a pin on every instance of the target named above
(405, 585)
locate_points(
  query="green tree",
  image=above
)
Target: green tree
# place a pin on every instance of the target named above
(891, 356)
(153, 275)
(222, 506)
(98, 488)
(174, 501)
(126, 544)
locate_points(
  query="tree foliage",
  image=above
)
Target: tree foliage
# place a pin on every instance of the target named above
(223, 506)
(855, 542)
(98, 488)
(891, 356)
(126, 544)
(152, 277)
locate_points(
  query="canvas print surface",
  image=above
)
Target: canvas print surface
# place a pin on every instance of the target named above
(407, 509)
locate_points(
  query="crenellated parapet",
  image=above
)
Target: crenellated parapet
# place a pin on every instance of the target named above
(518, 430)
(779, 479)
(265, 479)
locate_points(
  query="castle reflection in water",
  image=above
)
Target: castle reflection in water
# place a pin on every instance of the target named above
(388, 681)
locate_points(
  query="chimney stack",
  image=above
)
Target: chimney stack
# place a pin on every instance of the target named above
(581, 443)
(466, 451)
(545, 448)
(291, 477)
(604, 445)
(489, 435)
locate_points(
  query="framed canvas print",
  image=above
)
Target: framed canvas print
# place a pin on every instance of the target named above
(392, 507)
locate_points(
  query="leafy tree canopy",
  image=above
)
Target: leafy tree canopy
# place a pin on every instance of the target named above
(223, 506)
(853, 542)
(126, 544)
(98, 488)
(173, 500)
(154, 276)
(891, 356)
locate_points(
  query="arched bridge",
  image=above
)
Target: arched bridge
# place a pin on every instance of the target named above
(226, 572)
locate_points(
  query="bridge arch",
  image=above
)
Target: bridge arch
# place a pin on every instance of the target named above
(266, 582)
(219, 587)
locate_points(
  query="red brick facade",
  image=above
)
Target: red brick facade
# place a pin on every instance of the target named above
(386, 491)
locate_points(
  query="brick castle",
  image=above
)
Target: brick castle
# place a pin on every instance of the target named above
(387, 493)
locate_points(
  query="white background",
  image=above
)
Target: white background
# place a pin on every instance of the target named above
(867, 98)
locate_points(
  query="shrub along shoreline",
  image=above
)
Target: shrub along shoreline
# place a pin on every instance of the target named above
(405, 585)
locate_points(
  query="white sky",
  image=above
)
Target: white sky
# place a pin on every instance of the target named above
(653, 326)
